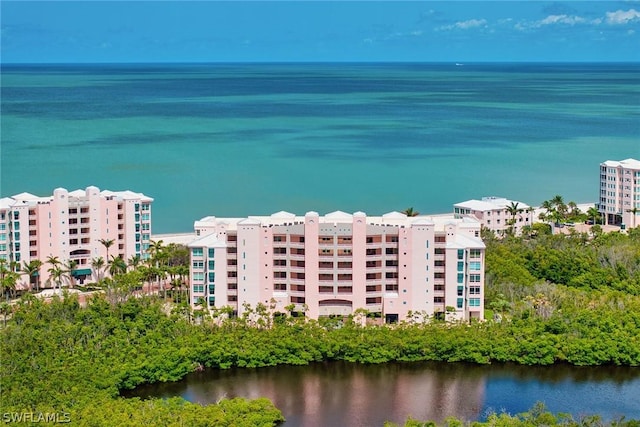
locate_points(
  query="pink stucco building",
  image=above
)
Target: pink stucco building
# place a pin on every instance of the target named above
(391, 265)
(69, 225)
(620, 192)
(493, 213)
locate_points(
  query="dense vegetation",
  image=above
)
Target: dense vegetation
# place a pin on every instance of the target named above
(571, 299)
(536, 416)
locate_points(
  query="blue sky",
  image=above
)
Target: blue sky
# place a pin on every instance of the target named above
(258, 31)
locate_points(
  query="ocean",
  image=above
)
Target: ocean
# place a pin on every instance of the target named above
(233, 140)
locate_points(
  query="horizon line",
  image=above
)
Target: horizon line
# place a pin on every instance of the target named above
(449, 62)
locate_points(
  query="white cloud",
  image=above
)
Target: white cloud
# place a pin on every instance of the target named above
(465, 25)
(560, 19)
(620, 17)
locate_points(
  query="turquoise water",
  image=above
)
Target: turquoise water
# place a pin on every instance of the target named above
(253, 139)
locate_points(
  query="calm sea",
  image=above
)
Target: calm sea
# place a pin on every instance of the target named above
(253, 139)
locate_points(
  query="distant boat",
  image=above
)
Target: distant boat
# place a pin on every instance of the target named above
(459, 64)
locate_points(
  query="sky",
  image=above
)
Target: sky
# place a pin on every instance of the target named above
(325, 31)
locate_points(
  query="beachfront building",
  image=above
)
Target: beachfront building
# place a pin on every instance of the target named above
(620, 192)
(497, 213)
(392, 265)
(68, 226)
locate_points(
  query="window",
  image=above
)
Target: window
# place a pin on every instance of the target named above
(474, 290)
(212, 277)
(474, 265)
(198, 264)
(474, 278)
(3, 226)
(198, 276)
(211, 265)
(460, 291)
(460, 253)
(460, 265)
(196, 252)
(198, 288)
(474, 253)
(3, 247)
(474, 302)
(460, 277)
(211, 252)
(460, 302)
(145, 217)
(438, 300)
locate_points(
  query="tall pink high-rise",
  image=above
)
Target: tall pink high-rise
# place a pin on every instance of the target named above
(392, 265)
(70, 225)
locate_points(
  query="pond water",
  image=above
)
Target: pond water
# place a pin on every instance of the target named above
(346, 394)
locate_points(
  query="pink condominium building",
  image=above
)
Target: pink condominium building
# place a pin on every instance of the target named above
(391, 265)
(69, 225)
(620, 192)
(493, 213)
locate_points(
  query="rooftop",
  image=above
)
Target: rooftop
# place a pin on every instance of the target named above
(390, 218)
(627, 163)
(490, 203)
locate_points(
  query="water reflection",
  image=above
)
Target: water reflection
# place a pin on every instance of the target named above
(339, 393)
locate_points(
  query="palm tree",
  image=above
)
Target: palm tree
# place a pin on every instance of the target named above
(155, 249)
(32, 269)
(633, 211)
(134, 261)
(107, 243)
(594, 214)
(561, 207)
(117, 265)
(513, 210)
(548, 207)
(56, 273)
(5, 309)
(156, 253)
(70, 268)
(98, 264)
(8, 278)
(410, 212)
(54, 261)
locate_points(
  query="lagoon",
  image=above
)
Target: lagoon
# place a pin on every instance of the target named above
(349, 394)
